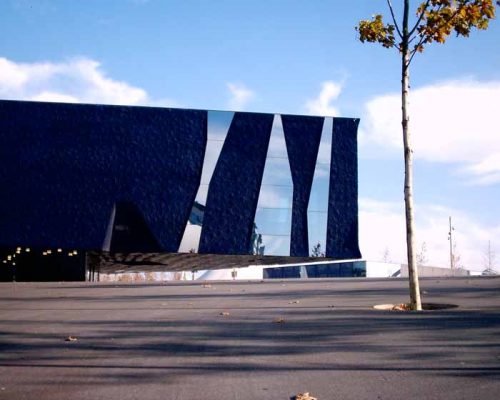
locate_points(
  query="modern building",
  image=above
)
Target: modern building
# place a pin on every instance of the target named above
(134, 186)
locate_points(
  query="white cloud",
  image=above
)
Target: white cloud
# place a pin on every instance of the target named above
(382, 226)
(322, 105)
(50, 96)
(79, 80)
(277, 186)
(451, 122)
(271, 197)
(240, 96)
(486, 171)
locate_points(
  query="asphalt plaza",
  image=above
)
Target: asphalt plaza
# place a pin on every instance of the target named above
(249, 340)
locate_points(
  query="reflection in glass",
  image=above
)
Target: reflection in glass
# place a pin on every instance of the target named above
(218, 126)
(277, 172)
(325, 146)
(274, 208)
(318, 202)
(277, 144)
(275, 196)
(274, 221)
(319, 192)
(317, 222)
(276, 244)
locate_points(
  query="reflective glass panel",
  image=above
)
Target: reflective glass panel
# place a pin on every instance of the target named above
(274, 221)
(318, 202)
(274, 208)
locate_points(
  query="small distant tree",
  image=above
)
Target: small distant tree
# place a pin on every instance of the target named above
(489, 260)
(457, 258)
(422, 255)
(317, 251)
(256, 244)
(386, 257)
(435, 21)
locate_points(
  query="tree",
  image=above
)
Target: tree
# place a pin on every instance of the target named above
(456, 257)
(386, 257)
(256, 246)
(317, 251)
(435, 22)
(422, 255)
(489, 260)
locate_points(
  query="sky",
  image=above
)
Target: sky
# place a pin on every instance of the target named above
(296, 57)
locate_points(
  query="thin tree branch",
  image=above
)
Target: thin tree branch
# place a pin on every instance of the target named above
(412, 31)
(414, 51)
(412, 39)
(389, 3)
(404, 41)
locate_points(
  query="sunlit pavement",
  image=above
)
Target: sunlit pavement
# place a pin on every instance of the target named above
(249, 340)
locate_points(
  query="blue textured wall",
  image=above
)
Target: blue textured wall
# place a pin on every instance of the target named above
(129, 230)
(302, 136)
(342, 227)
(65, 165)
(234, 188)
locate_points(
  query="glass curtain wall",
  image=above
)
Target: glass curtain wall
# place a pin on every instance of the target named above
(274, 207)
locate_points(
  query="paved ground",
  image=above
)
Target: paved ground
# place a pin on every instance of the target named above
(170, 341)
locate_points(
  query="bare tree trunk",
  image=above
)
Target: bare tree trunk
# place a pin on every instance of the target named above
(408, 190)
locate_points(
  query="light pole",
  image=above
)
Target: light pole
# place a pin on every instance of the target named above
(450, 238)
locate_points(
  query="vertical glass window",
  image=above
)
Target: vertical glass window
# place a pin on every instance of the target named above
(273, 218)
(317, 211)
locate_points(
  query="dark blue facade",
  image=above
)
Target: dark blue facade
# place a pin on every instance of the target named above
(342, 227)
(302, 136)
(125, 179)
(64, 166)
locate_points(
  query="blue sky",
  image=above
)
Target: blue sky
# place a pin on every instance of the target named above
(287, 56)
